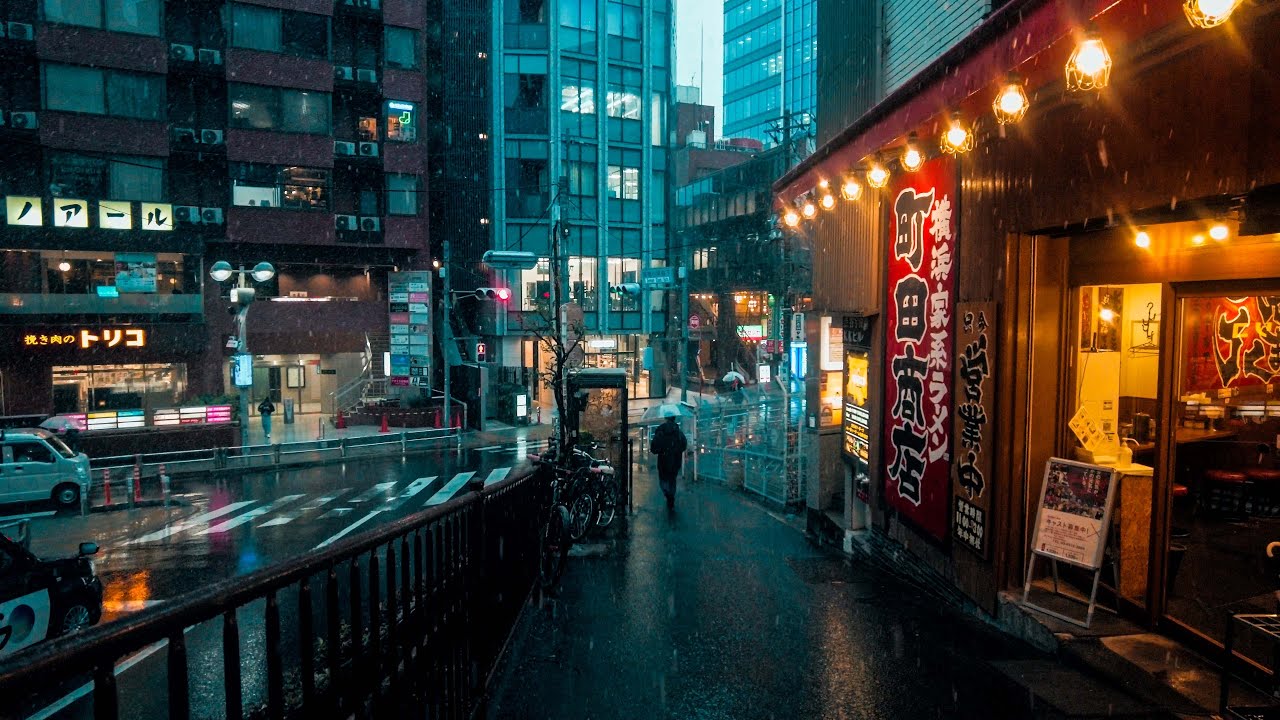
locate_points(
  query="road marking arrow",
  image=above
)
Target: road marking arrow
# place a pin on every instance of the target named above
(414, 488)
(371, 493)
(336, 512)
(239, 520)
(192, 523)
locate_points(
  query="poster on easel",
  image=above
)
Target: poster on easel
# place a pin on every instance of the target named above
(1071, 526)
(1074, 513)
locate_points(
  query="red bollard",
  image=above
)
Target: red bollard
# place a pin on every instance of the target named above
(384, 427)
(106, 486)
(137, 484)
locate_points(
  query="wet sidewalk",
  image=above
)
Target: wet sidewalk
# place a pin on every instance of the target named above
(724, 610)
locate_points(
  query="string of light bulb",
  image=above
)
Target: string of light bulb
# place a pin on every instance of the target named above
(1088, 69)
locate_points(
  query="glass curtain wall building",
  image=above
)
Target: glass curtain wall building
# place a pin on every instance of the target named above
(770, 67)
(580, 112)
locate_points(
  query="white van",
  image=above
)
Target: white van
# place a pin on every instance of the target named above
(36, 465)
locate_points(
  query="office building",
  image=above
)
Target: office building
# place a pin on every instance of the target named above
(580, 109)
(770, 70)
(147, 140)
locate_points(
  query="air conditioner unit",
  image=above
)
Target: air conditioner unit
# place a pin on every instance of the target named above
(23, 121)
(187, 214)
(21, 31)
(209, 136)
(342, 147)
(371, 224)
(368, 149)
(344, 72)
(182, 53)
(183, 135)
(365, 75)
(344, 222)
(211, 216)
(210, 57)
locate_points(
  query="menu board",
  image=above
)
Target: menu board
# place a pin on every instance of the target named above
(1074, 512)
(115, 420)
(856, 443)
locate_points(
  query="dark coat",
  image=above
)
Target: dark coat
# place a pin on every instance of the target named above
(668, 444)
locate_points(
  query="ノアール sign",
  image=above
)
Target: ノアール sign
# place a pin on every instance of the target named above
(919, 341)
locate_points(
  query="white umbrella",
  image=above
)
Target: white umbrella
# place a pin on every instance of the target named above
(733, 375)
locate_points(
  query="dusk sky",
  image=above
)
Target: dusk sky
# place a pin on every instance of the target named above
(699, 50)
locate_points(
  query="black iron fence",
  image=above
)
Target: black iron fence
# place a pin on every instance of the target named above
(406, 621)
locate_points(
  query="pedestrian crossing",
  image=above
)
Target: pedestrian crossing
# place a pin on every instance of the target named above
(354, 506)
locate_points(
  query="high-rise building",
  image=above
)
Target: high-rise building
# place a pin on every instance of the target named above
(144, 141)
(770, 69)
(580, 111)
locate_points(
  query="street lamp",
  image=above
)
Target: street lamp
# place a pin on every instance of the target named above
(242, 295)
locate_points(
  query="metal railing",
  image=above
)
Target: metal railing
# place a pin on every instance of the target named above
(404, 621)
(755, 444)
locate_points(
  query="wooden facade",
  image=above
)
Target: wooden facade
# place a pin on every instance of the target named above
(1189, 127)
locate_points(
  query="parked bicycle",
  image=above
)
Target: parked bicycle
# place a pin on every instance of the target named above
(603, 484)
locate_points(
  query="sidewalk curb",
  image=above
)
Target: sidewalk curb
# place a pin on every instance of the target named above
(173, 502)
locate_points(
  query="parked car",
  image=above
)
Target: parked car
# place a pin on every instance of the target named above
(37, 465)
(41, 599)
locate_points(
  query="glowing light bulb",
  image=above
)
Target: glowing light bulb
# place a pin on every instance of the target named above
(1089, 67)
(851, 189)
(64, 266)
(877, 176)
(912, 158)
(1142, 239)
(1197, 239)
(1219, 232)
(791, 218)
(828, 201)
(1013, 100)
(1092, 57)
(1209, 13)
(1106, 315)
(808, 209)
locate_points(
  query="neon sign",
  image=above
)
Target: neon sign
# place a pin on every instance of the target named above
(86, 339)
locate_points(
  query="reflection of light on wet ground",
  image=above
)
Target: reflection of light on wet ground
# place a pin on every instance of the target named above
(126, 593)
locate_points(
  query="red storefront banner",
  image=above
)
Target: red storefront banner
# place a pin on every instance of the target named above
(919, 345)
(1231, 343)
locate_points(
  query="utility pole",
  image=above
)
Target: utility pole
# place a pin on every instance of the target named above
(561, 321)
(446, 329)
(683, 357)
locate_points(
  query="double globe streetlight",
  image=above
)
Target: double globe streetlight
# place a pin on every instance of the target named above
(242, 296)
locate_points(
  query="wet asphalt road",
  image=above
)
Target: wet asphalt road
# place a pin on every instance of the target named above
(724, 611)
(234, 527)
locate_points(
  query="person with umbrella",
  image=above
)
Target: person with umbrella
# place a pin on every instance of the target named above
(669, 444)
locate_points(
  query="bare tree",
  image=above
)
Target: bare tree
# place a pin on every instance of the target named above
(566, 351)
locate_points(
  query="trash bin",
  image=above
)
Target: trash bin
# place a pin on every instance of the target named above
(288, 411)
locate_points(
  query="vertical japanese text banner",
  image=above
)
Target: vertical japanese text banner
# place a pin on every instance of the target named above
(974, 432)
(918, 339)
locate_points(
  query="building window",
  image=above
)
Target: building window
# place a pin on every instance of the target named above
(579, 14)
(86, 388)
(623, 270)
(624, 93)
(402, 121)
(402, 194)
(624, 20)
(624, 182)
(582, 281)
(104, 92)
(535, 285)
(525, 93)
(400, 47)
(98, 178)
(256, 107)
(582, 178)
(296, 188)
(141, 17)
(281, 31)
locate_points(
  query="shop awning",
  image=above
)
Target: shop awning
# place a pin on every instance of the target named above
(1032, 37)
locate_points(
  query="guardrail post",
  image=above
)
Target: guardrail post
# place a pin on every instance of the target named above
(404, 445)
(84, 497)
(275, 454)
(131, 490)
(106, 487)
(342, 446)
(164, 486)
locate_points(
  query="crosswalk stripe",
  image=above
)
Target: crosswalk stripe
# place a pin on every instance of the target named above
(374, 491)
(496, 475)
(193, 522)
(282, 520)
(449, 490)
(245, 517)
(320, 501)
(348, 529)
(414, 488)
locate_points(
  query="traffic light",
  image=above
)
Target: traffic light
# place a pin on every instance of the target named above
(480, 352)
(542, 290)
(627, 289)
(500, 294)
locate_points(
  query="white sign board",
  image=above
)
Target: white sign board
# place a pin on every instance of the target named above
(24, 621)
(1074, 512)
(242, 370)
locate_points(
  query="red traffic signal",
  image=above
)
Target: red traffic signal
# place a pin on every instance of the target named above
(500, 294)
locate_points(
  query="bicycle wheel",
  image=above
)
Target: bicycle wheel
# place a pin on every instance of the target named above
(553, 548)
(607, 501)
(581, 514)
